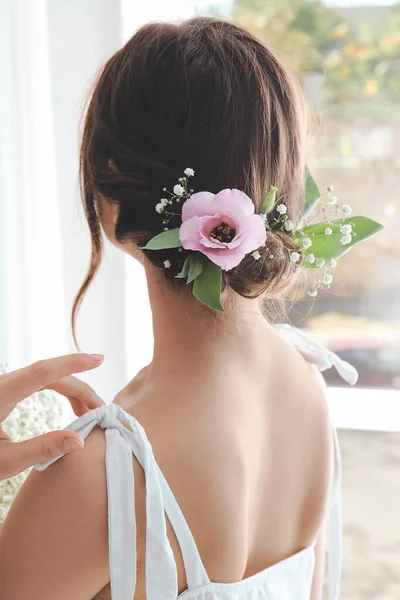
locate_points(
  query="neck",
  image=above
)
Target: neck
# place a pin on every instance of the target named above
(187, 332)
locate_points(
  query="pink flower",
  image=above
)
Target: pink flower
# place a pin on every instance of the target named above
(222, 226)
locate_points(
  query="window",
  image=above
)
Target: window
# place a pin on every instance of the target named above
(347, 53)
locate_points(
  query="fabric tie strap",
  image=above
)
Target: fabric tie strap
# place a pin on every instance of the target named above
(124, 437)
(316, 354)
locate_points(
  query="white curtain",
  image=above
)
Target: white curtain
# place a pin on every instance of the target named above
(50, 51)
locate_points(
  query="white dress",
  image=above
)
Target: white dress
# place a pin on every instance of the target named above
(290, 579)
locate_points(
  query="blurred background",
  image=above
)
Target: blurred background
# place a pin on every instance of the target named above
(347, 53)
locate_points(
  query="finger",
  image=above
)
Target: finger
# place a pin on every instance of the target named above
(4, 435)
(16, 457)
(77, 392)
(77, 406)
(24, 382)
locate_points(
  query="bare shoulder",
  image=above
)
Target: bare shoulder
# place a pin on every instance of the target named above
(47, 541)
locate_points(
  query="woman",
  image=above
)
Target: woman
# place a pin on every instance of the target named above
(234, 409)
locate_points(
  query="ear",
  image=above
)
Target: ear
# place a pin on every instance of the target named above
(115, 213)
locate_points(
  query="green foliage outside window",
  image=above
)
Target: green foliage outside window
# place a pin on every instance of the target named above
(359, 59)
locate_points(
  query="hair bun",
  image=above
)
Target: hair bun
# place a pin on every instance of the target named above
(253, 277)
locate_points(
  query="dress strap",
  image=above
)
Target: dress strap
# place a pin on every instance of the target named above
(335, 535)
(124, 437)
(196, 574)
(317, 354)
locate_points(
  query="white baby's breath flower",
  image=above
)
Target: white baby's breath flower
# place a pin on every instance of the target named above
(346, 229)
(346, 239)
(294, 257)
(289, 225)
(320, 262)
(310, 258)
(189, 172)
(347, 209)
(164, 201)
(328, 231)
(160, 208)
(327, 278)
(332, 263)
(256, 255)
(307, 243)
(167, 264)
(332, 200)
(282, 209)
(313, 293)
(178, 189)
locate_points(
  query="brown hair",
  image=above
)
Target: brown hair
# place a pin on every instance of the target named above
(204, 94)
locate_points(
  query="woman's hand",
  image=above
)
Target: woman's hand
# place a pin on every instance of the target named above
(54, 374)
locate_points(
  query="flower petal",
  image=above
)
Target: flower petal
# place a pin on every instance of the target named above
(233, 200)
(253, 235)
(198, 205)
(226, 259)
(189, 233)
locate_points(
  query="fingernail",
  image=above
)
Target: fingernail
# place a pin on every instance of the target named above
(96, 357)
(71, 444)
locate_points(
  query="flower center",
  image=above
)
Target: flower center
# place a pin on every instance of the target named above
(223, 233)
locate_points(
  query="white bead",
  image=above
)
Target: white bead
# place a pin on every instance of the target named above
(328, 231)
(307, 243)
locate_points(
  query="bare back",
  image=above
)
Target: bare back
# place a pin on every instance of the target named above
(247, 453)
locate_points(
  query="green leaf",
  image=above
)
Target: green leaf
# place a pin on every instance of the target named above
(207, 286)
(164, 240)
(185, 269)
(197, 263)
(268, 203)
(310, 198)
(329, 246)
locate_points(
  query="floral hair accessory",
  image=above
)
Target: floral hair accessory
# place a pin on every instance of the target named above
(320, 244)
(219, 230)
(223, 227)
